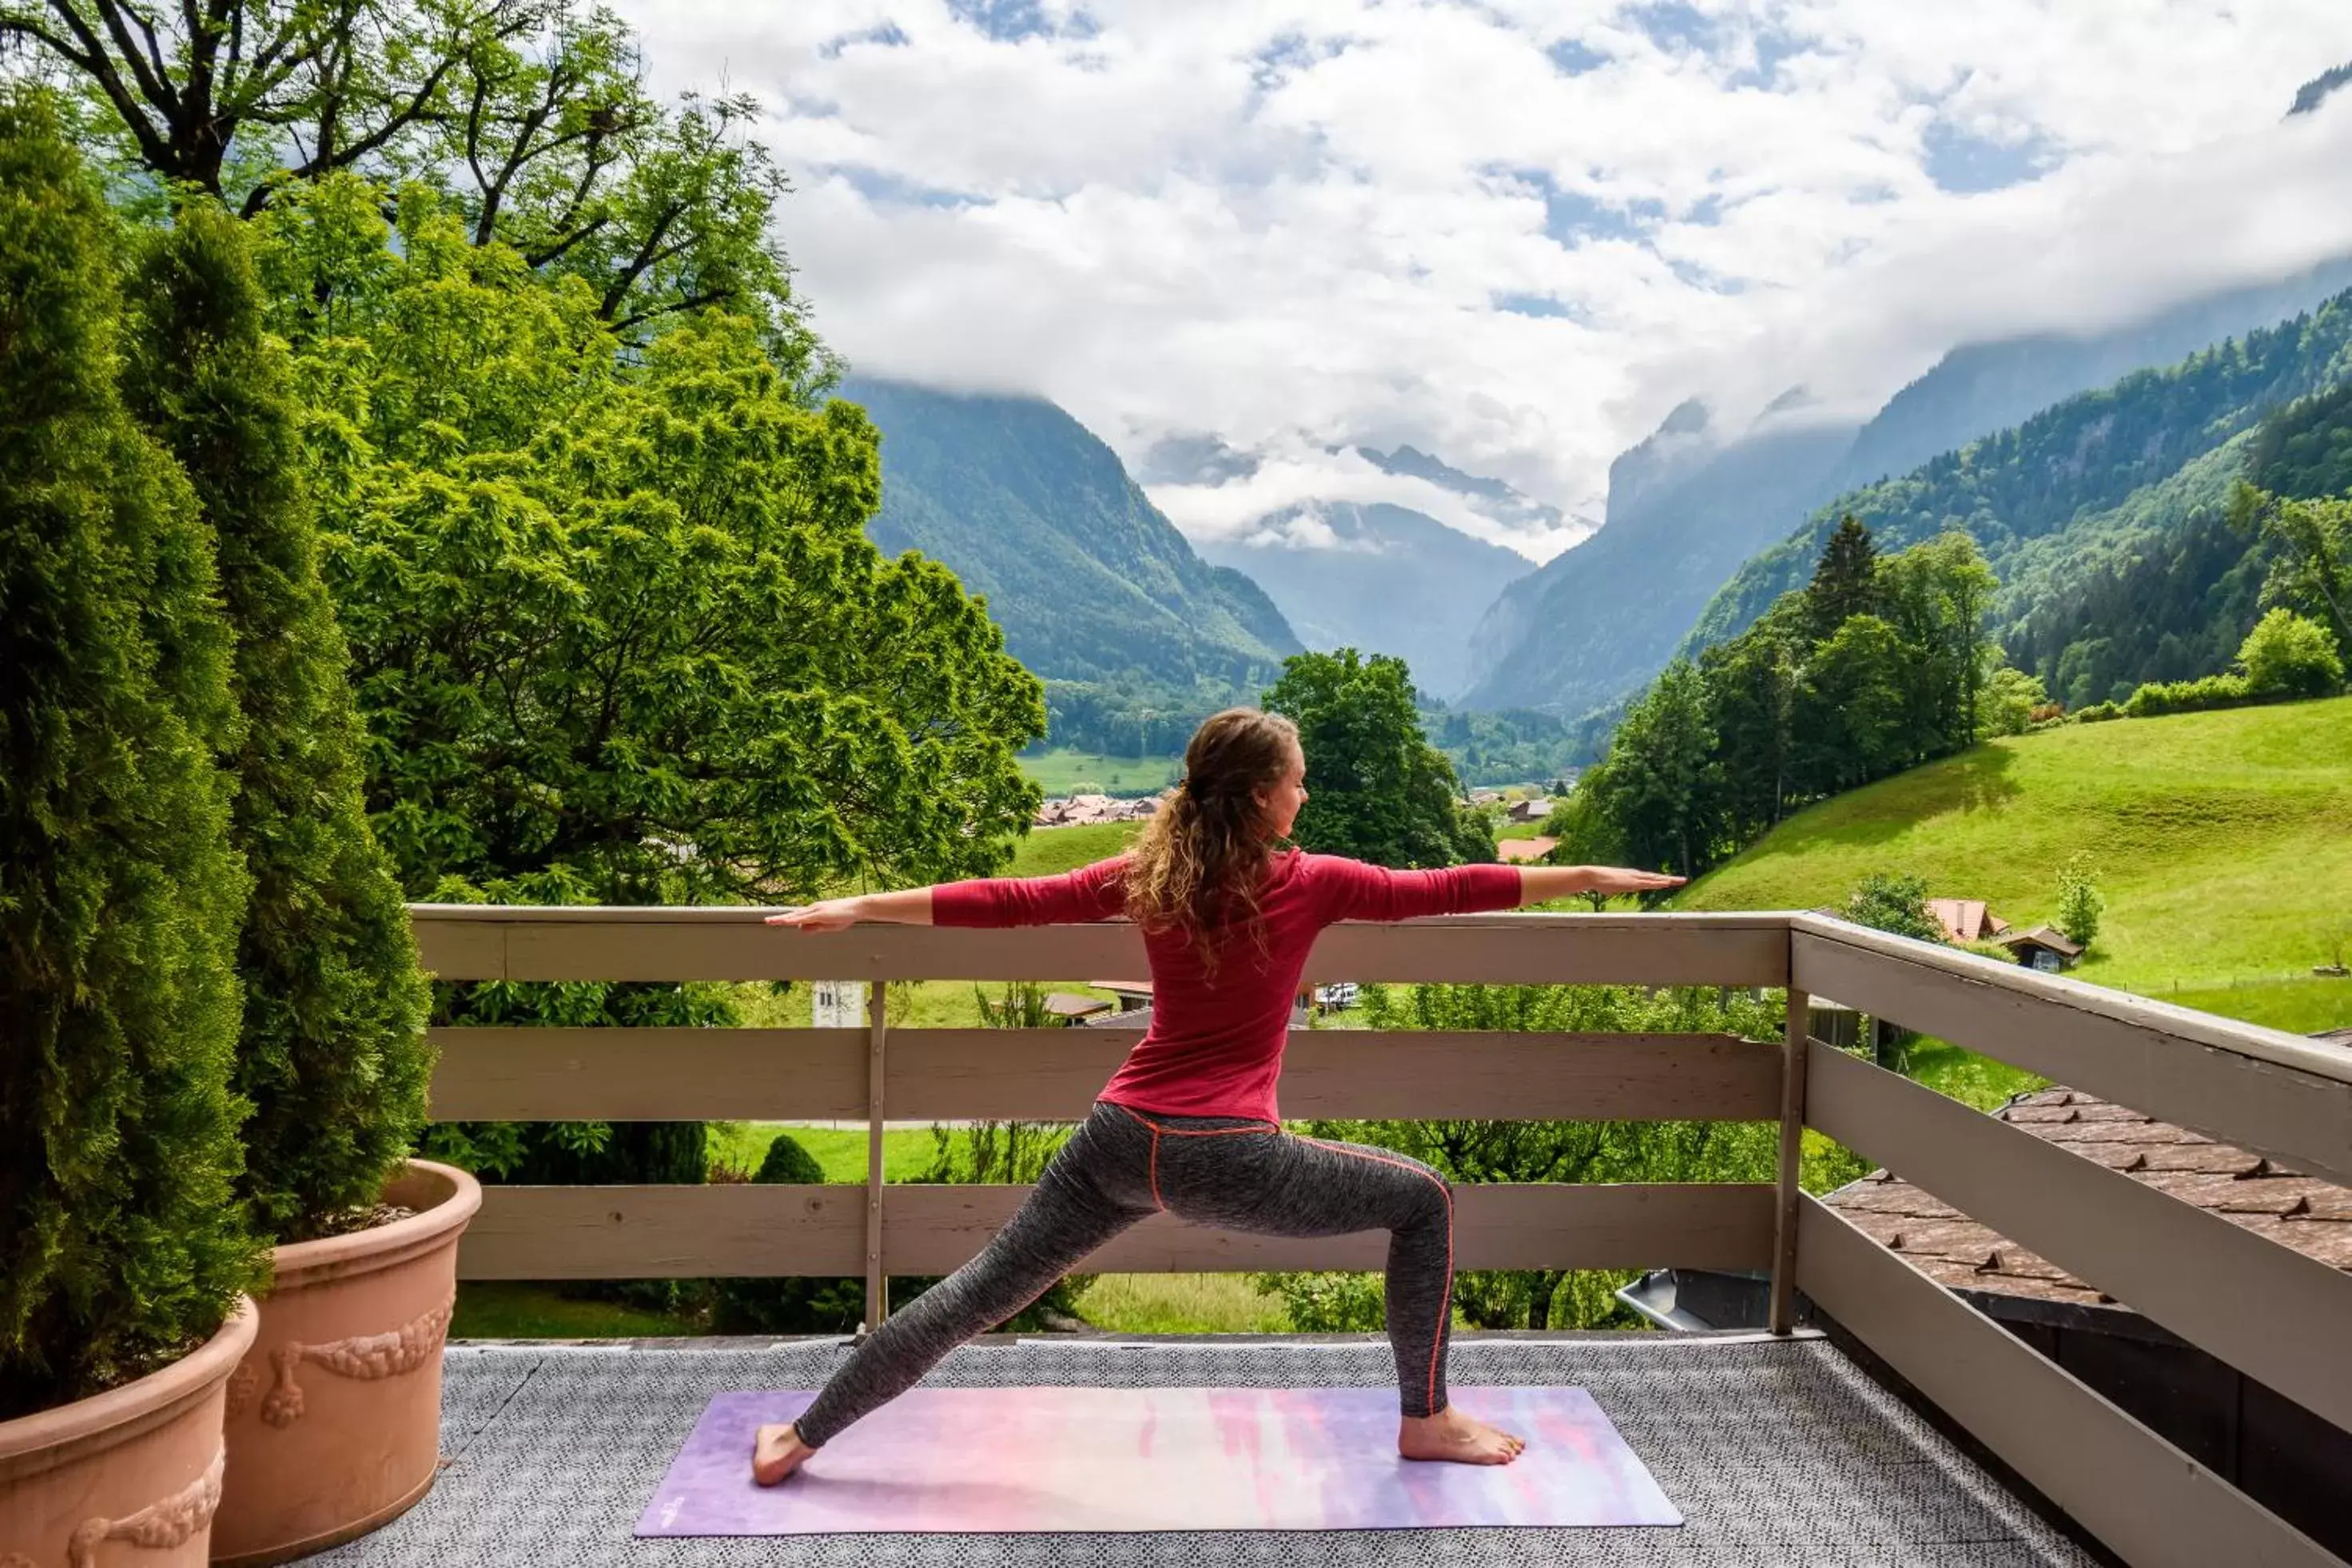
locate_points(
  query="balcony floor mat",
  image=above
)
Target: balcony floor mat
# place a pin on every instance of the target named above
(1775, 1453)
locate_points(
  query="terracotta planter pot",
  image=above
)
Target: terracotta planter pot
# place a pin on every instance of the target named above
(334, 1420)
(132, 1472)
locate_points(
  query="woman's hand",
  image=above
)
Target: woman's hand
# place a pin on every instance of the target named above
(827, 914)
(1620, 880)
(1541, 884)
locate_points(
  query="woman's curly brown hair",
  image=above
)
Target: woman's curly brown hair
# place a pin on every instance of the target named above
(1197, 868)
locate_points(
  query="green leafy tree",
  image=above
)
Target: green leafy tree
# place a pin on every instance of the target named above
(2080, 904)
(332, 1056)
(122, 1243)
(1852, 709)
(1935, 596)
(617, 633)
(1846, 580)
(2311, 567)
(1661, 785)
(2006, 705)
(1890, 901)
(530, 114)
(1584, 835)
(2288, 656)
(615, 625)
(1376, 788)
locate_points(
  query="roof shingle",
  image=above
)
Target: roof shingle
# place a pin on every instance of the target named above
(2313, 1217)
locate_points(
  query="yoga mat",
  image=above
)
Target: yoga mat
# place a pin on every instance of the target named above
(1029, 1460)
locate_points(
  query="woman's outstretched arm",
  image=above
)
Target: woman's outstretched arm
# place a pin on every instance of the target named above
(906, 907)
(1539, 884)
(1089, 893)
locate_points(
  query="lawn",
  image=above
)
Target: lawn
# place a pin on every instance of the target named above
(1067, 772)
(514, 1310)
(1181, 1304)
(1049, 850)
(2222, 841)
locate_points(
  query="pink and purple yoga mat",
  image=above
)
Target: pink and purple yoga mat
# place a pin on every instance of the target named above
(1030, 1460)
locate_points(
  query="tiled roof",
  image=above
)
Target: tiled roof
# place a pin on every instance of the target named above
(2313, 1217)
(1966, 919)
(1511, 851)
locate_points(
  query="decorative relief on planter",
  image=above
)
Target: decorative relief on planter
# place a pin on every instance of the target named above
(366, 1357)
(243, 1384)
(159, 1525)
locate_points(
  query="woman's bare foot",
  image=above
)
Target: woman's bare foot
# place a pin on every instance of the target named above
(1450, 1435)
(777, 1452)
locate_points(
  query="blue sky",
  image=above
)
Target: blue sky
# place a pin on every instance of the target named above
(1512, 232)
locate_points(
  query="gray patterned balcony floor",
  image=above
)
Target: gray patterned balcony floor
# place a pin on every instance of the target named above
(1776, 1452)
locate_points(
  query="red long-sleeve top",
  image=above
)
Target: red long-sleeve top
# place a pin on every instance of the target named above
(1214, 1044)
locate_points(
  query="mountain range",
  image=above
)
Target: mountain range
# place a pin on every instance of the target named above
(1380, 578)
(2105, 515)
(1687, 509)
(1031, 510)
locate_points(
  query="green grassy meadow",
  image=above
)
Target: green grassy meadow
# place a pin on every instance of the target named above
(1064, 773)
(2222, 841)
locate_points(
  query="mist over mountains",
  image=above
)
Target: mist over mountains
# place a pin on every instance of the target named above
(1687, 507)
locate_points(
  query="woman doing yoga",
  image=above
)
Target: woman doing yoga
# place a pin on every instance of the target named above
(1189, 1122)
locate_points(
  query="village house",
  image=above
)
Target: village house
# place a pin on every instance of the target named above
(1966, 919)
(2044, 948)
(1521, 851)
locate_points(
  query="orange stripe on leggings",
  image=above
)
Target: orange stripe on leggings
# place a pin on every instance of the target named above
(1178, 1132)
(1445, 1300)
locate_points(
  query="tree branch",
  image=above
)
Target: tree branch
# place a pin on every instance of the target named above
(94, 60)
(155, 91)
(690, 302)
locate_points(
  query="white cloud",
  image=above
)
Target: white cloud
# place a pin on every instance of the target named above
(1307, 222)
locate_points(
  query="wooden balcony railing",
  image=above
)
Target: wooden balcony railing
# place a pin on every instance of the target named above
(2274, 1314)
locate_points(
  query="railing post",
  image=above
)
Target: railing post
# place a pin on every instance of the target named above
(1792, 1150)
(877, 1284)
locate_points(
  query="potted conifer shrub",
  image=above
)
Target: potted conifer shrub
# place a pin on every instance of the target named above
(334, 1418)
(123, 1256)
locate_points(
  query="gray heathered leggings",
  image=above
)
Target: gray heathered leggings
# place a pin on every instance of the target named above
(1122, 1164)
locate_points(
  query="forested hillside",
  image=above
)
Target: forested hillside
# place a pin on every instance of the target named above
(2102, 516)
(1029, 509)
(1384, 579)
(1686, 507)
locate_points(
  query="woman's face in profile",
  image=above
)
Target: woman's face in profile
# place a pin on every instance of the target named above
(1280, 801)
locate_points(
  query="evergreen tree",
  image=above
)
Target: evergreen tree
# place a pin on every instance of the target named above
(121, 1241)
(1846, 580)
(332, 1055)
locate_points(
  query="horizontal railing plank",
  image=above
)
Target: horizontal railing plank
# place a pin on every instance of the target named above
(665, 1233)
(619, 1233)
(480, 941)
(2275, 1093)
(648, 1075)
(2152, 1504)
(1054, 1075)
(2271, 1312)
